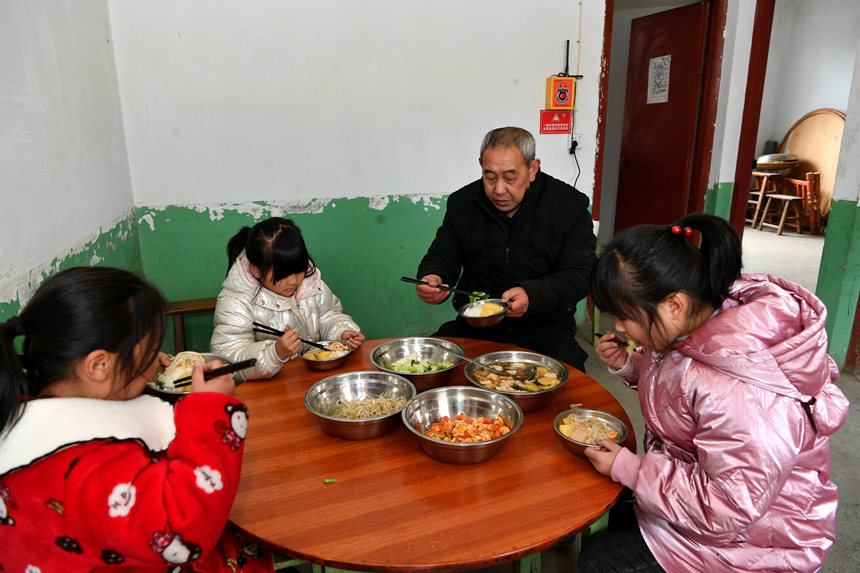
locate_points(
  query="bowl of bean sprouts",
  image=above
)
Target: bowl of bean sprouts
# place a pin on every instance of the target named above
(359, 405)
(580, 428)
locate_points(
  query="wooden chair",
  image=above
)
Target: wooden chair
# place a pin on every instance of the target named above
(788, 202)
(179, 309)
(815, 139)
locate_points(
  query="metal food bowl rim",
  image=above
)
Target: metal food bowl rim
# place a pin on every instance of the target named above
(373, 352)
(517, 423)
(316, 384)
(565, 369)
(309, 347)
(150, 383)
(505, 306)
(623, 435)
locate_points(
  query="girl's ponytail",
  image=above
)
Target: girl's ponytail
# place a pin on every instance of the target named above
(13, 381)
(236, 245)
(720, 247)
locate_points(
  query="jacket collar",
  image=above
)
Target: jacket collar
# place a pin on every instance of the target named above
(48, 424)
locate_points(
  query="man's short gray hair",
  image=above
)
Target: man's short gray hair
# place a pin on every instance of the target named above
(511, 137)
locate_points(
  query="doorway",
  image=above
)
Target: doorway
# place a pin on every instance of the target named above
(666, 52)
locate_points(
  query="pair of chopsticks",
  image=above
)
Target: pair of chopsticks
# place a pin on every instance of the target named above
(265, 329)
(479, 295)
(228, 369)
(616, 340)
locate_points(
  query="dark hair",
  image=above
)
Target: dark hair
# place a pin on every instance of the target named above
(643, 265)
(275, 245)
(73, 313)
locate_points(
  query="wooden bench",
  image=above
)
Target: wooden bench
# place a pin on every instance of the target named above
(179, 309)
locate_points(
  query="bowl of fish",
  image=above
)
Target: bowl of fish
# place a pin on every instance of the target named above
(359, 405)
(530, 379)
(580, 428)
(461, 424)
(426, 362)
(333, 356)
(483, 313)
(164, 382)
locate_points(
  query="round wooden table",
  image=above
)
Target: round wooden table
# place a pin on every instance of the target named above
(394, 508)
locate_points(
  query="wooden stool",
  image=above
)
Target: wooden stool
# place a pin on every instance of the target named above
(764, 186)
(179, 309)
(788, 201)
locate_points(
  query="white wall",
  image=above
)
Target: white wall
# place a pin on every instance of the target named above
(846, 187)
(737, 43)
(286, 101)
(63, 163)
(810, 62)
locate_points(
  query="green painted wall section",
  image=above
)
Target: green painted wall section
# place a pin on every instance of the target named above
(839, 275)
(718, 200)
(118, 246)
(361, 250)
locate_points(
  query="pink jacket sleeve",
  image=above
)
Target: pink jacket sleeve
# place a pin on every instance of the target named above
(743, 451)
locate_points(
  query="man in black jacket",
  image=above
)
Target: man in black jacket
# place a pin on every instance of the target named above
(519, 235)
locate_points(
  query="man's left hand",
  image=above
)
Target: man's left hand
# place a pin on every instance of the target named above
(519, 301)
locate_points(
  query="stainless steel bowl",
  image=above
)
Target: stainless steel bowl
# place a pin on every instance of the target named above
(484, 321)
(578, 447)
(528, 401)
(169, 395)
(322, 398)
(329, 364)
(426, 408)
(432, 349)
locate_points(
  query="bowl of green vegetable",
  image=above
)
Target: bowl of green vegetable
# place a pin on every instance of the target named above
(426, 362)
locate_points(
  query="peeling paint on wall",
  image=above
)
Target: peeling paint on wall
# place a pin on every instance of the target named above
(116, 245)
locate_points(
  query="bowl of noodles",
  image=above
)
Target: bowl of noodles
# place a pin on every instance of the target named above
(461, 424)
(483, 313)
(163, 382)
(504, 373)
(359, 405)
(580, 428)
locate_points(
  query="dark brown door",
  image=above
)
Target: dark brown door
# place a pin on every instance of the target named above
(660, 110)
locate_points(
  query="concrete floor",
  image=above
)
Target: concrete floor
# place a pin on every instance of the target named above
(795, 257)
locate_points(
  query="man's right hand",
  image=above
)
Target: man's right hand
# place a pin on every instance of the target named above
(431, 294)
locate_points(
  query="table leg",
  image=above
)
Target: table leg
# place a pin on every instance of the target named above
(528, 564)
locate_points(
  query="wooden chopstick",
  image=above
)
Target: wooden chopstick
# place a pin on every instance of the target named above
(275, 332)
(228, 369)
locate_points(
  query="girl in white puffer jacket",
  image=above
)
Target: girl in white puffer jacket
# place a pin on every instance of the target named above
(272, 280)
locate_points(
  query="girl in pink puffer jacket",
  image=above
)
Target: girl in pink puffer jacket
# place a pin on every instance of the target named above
(737, 393)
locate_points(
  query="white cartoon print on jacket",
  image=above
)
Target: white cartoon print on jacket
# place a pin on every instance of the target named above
(238, 427)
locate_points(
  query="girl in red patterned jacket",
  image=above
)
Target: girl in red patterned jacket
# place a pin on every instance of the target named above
(92, 472)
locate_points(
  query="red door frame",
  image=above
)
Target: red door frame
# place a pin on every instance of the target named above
(708, 100)
(752, 111)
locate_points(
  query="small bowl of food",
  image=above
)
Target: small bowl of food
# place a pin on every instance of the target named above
(461, 424)
(506, 372)
(359, 405)
(580, 428)
(482, 313)
(426, 362)
(163, 382)
(332, 357)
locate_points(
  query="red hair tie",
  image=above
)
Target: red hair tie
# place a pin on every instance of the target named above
(676, 230)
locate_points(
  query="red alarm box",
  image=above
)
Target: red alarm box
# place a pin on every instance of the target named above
(560, 92)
